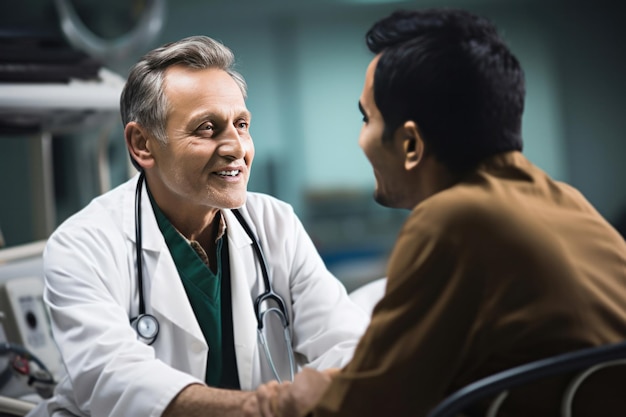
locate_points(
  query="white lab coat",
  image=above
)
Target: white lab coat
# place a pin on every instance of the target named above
(91, 289)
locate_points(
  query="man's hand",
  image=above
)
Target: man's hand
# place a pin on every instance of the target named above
(331, 372)
(293, 399)
(198, 400)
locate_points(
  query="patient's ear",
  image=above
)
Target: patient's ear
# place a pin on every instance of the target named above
(138, 142)
(413, 145)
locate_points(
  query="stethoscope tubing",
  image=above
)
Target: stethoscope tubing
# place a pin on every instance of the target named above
(267, 295)
(139, 244)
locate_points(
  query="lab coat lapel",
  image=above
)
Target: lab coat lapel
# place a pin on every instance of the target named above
(243, 275)
(167, 295)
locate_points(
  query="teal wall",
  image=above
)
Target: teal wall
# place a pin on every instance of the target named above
(305, 63)
(305, 71)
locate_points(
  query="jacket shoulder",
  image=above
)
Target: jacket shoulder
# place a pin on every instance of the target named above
(264, 207)
(102, 215)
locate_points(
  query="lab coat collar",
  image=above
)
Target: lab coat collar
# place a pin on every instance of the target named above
(237, 236)
(151, 237)
(163, 289)
(163, 282)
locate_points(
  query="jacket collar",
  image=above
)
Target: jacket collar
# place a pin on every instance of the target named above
(151, 237)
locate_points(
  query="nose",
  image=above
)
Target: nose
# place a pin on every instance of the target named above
(232, 145)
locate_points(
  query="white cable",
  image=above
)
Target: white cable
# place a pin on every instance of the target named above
(15, 407)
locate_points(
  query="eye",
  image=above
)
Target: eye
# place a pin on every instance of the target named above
(242, 125)
(206, 128)
(365, 119)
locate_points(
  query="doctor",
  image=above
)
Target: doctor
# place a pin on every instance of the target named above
(166, 246)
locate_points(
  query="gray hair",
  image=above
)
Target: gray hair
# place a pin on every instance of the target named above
(143, 100)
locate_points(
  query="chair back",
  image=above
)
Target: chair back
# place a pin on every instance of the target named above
(582, 362)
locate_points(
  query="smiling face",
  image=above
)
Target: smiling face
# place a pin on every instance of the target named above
(387, 157)
(206, 162)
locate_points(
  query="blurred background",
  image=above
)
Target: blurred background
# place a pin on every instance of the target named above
(63, 63)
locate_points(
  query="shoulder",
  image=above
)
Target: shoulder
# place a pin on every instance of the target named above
(462, 208)
(100, 219)
(479, 221)
(256, 199)
(272, 220)
(266, 208)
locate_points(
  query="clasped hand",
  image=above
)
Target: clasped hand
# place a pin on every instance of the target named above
(291, 399)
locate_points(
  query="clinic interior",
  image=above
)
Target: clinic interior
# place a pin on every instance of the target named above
(304, 62)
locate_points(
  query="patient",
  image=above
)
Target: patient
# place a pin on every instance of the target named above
(497, 265)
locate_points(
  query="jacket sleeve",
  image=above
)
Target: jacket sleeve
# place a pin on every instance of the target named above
(89, 284)
(416, 340)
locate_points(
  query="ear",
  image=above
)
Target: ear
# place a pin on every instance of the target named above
(412, 144)
(138, 142)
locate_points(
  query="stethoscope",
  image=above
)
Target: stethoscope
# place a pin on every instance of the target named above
(147, 326)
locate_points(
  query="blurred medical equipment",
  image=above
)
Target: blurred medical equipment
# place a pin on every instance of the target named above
(56, 83)
(152, 16)
(29, 359)
(25, 317)
(48, 91)
(25, 366)
(13, 407)
(147, 326)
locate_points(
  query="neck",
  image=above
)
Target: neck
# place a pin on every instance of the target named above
(199, 223)
(431, 178)
(203, 227)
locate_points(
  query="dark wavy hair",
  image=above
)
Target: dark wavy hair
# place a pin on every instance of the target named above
(450, 72)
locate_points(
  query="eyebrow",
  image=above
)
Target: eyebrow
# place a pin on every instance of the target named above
(245, 114)
(216, 114)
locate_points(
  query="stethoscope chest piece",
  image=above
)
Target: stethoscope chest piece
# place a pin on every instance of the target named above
(147, 328)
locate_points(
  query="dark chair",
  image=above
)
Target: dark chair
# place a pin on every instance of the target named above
(584, 362)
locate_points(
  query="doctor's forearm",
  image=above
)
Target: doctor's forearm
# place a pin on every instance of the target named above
(200, 401)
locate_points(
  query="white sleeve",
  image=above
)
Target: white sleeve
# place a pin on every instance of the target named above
(88, 279)
(326, 323)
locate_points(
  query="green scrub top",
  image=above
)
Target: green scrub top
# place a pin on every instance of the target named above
(206, 293)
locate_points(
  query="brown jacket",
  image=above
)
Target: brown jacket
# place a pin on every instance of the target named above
(505, 267)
